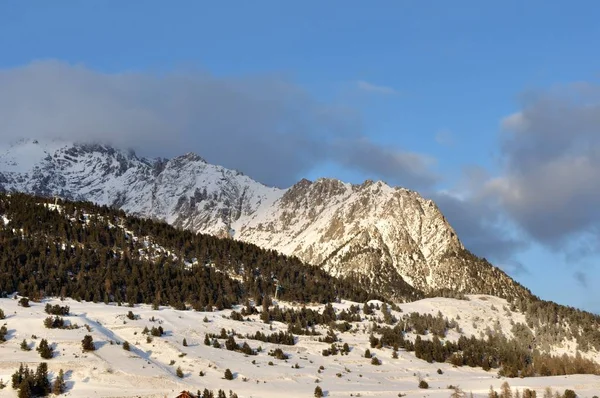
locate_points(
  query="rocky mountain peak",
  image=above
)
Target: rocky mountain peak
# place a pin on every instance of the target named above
(189, 157)
(385, 236)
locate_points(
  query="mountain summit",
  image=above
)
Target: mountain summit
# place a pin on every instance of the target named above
(390, 239)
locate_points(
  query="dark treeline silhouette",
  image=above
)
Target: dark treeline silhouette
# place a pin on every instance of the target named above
(96, 253)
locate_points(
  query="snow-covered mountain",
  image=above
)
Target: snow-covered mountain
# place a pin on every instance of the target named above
(381, 235)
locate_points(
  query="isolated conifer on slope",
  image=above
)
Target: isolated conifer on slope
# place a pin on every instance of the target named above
(45, 350)
(59, 386)
(318, 392)
(88, 343)
(25, 346)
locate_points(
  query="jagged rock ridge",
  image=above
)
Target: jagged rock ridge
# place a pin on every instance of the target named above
(380, 235)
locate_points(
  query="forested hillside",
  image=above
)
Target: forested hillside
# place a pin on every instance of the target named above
(93, 253)
(99, 254)
(390, 239)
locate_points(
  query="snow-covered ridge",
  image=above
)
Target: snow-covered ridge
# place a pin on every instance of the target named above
(372, 230)
(184, 191)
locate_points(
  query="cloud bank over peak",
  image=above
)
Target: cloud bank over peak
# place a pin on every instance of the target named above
(551, 160)
(547, 186)
(265, 126)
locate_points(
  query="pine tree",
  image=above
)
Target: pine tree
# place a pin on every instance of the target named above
(25, 346)
(318, 392)
(25, 389)
(88, 343)
(2, 316)
(44, 349)
(367, 310)
(126, 346)
(569, 394)
(492, 393)
(264, 316)
(228, 374)
(179, 372)
(3, 333)
(41, 382)
(457, 393)
(346, 348)
(18, 376)
(59, 385)
(184, 342)
(266, 303)
(527, 393)
(505, 391)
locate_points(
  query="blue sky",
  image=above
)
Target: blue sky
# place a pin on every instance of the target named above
(427, 87)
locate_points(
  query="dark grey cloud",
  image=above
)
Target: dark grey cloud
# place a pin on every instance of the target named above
(550, 182)
(481, 228)
(548, 187)
(264, 126)
(581, 279)
(407, 169)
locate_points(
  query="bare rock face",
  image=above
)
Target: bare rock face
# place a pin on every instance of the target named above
(382, 235)
(390, 240)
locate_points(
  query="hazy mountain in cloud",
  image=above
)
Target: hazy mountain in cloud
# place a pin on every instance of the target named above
(266, 126)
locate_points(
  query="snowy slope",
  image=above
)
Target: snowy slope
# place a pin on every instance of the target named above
(381, 235)
(146, 370)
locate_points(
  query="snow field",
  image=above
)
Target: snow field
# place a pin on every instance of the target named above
(146, 370)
